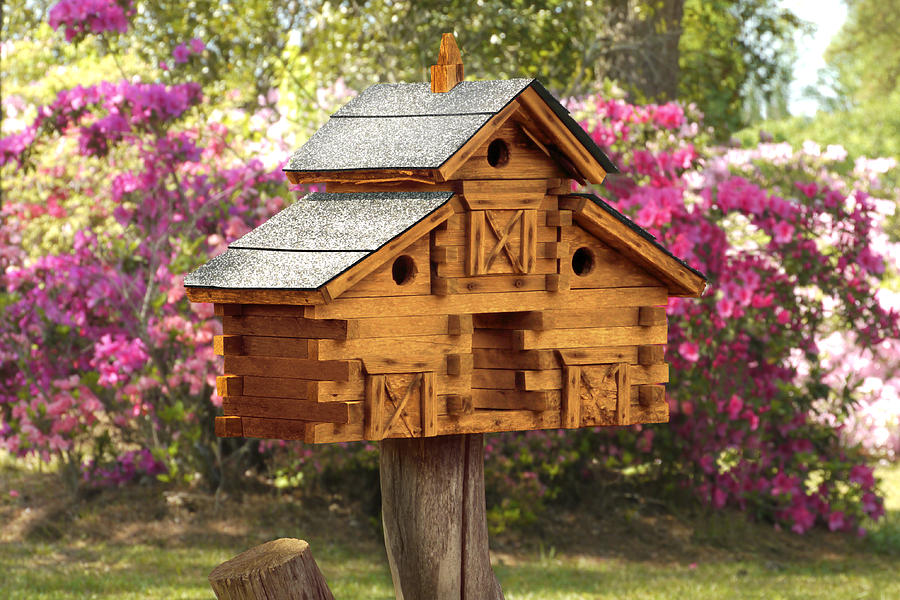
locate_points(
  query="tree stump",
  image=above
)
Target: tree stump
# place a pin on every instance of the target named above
(282, 569)
(435, 526)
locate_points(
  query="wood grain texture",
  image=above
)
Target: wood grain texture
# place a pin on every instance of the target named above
(588, 337)
(541, 114)
(606, 227)
(380, 282)
(295, 297)
(291, 408)
(493, 194)
(490, 302)
(526, 159)
(296, 368)
(283, 569)
(435, 524)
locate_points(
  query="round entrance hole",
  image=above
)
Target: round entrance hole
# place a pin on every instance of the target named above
(583, 261)
(403, 270)
(498, 153)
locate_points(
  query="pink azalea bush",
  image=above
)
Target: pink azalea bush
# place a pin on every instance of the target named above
(104, 365)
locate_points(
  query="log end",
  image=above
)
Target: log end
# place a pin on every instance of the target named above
(284, 567)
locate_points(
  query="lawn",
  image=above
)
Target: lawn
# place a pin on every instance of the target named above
(154, 542)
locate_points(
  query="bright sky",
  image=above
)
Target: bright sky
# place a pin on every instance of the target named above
(827, 16)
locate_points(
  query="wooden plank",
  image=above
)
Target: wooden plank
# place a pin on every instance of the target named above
(535, 139)
(498, 420)
(293, 327)
(381, 282)
(237, 296)
(364, 176)
(429, 405)
(542, 266)
(501, 194)
(459, 405)
(589, 337)
(229, 427)
(280, 387)
(296, 368)
(229, 385)
(547, 120)
(557, 282)
(492, 338)
(491, 283)
(378, 327)
(623, 402)
(651, 395)
(558, 218)
(515, 400)
(648, 355)
(458, 237)
(223, 310)
(489, 302)
(389, 251)
(533, 381)
(490, 358)
(640, 375)
(278, 429)
(681, 280)
(446, 254)
(652, 315)
(279, 346)
(597, 356)
(289, 408)
(374, 407)
(475, 238)
(274, 310)
(397, 355)
(559, 319)
(528, 249)
(571, 398)
(497, 379)
(355, 187)
(328, 433)
(458, 324)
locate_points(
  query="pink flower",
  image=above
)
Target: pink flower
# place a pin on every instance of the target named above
(180, 53)
(783, 232)
(13, 493)
(690, 351)
(735, 404)
(197, 46)
(837, 521)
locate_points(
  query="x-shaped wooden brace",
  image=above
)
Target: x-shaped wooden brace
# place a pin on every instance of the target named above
(502, 234)
(400, 402)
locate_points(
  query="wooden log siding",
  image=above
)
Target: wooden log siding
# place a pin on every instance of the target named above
(296, 372)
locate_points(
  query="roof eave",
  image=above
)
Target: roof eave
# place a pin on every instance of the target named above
(619, 232)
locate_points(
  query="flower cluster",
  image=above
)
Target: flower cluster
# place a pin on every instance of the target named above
(80, 17)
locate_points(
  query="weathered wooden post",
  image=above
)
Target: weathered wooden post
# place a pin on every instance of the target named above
(445, 285)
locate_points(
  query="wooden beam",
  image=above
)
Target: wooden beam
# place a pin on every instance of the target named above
(568, 144)
(255, 296)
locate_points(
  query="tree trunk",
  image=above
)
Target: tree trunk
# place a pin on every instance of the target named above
(282, 569)
(435, 527)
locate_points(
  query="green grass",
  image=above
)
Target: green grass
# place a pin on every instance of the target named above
(134, 544)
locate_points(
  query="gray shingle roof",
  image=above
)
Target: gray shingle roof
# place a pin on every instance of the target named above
(406, 126)
(317, 238)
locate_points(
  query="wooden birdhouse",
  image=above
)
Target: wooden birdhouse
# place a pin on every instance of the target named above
(447, 281)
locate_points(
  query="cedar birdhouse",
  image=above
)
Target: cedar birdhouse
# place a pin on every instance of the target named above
(447, 281)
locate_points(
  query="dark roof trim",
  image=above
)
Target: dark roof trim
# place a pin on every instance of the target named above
(560, 111)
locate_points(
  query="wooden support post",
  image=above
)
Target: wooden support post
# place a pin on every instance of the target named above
(282, 569)
(435, 526)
